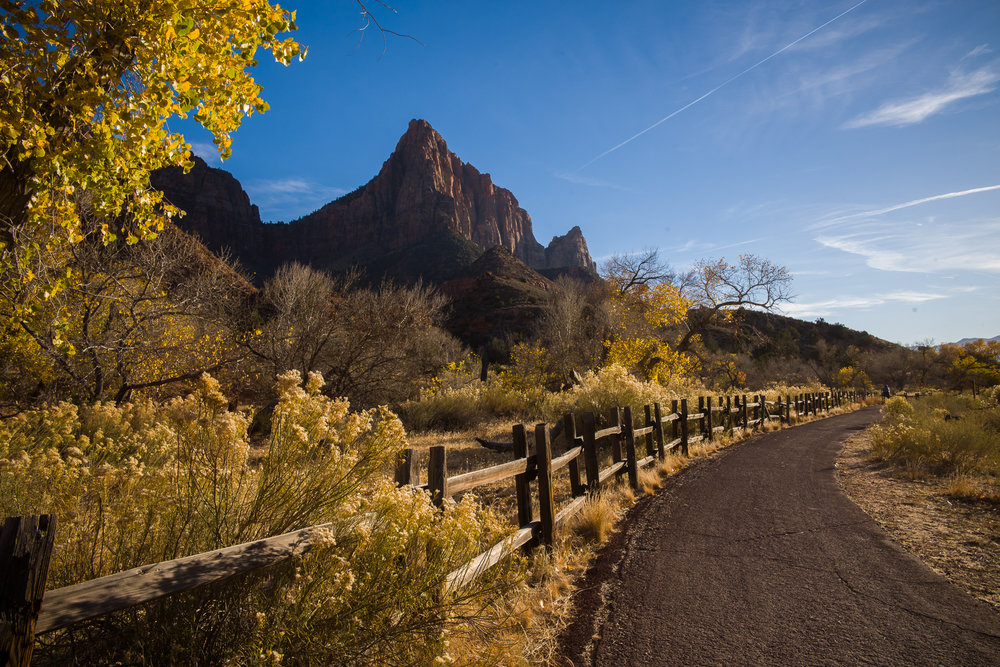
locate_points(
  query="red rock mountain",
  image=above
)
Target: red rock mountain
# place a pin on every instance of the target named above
(419, 217)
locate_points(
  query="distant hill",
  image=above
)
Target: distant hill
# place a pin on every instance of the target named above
(763, 335)
(995, 339)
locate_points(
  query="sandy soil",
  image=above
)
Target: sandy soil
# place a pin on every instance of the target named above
(957, 539)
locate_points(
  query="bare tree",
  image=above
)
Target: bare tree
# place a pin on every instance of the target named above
(716, 286)
(627, 272)
(373, 345)
(573, 326)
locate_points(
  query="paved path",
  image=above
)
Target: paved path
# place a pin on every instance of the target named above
(756, 557)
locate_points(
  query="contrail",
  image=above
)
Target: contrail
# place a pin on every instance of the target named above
(720, 86)
(908, 204)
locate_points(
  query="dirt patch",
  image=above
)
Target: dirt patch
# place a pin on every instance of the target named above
(957, 539)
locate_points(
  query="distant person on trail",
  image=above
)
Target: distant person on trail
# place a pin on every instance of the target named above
(885, 392)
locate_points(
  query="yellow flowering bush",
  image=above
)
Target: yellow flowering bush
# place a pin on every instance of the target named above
(143, 482)
(613, 386)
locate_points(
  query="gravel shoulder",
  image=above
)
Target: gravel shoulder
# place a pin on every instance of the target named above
(957, 539)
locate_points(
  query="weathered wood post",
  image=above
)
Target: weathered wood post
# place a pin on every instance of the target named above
(658, 430)
(708, 418)
(25, 547)
(683, 419)
(546, 501)
(437, 475)
(406, 468)
(569, 428)
(650, 438)
(675, 427)
(633, 468)
(590, 461)
(615, 421)
(744, 413)
(788, 408)
(522, 487)
(814, 402)
(701, 420)
(729, 414)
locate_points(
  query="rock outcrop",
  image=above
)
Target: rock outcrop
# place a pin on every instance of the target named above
(424, 193)
(568, 250)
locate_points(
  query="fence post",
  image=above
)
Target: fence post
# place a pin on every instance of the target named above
(546, 502)
(701, 421)
(569, 428)
(708, 418)
(25, 547)
(744, 413)
(675, 427)
(615, 421)
(522, 487)
(590, 462)
(658, 430)
(406, 468)
(650, 438)
(729, 414)
(683, 419)
(815, 400)
(437, 475)
(633, 469)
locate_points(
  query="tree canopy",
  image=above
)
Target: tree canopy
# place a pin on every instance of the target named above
(86, 90)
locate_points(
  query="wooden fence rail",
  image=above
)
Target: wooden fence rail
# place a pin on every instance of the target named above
(26, 542)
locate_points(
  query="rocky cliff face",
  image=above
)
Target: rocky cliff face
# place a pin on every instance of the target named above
(216, 210)
(423, 191)
(568, 250)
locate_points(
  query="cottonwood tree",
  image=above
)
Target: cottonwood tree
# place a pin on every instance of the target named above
(630, 272)
(134, 317)
(88, 89)
(716, 288)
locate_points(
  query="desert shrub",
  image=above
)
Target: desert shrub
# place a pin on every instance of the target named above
(471, 404)
(950, 435)
(144, 482)
(603, 389)
(897, 409)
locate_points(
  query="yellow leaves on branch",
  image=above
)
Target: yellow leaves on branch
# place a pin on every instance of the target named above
(647, 316)
(88, 89)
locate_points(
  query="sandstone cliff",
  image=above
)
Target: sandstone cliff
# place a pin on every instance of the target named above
(424, 201)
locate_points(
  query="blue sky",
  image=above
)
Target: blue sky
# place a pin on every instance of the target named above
(858, 144)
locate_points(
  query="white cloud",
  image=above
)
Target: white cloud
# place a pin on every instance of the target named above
(824, 308)
(918, 109)
(928, 248)
(980, 50)
(290, 198)
(707, 246)
(592, 182)
(206, 151)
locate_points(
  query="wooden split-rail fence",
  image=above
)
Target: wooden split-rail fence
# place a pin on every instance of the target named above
(26, 610)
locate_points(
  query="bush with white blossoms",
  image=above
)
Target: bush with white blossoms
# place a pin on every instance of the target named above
(140, 483)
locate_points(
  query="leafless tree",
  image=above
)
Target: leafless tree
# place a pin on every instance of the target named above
(716, 286)
(372, 345)
(626, 272)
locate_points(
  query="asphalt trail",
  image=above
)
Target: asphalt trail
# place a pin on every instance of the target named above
(756, 557)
